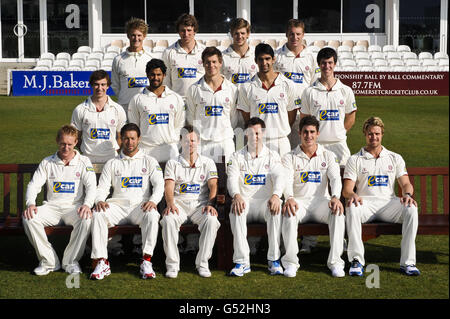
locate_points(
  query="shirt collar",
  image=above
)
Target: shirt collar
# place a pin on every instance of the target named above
(259, 83)
(185, 163)
(298, 151)
(367, 155)
(264, 152)
(91, 106)
(136, 54)
(204, 86)
(250, 52)
(197, 48)
(139, 154)
(74, 161)
(322, 87)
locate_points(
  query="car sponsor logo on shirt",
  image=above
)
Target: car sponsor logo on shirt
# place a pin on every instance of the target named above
(377, 180)
(184, 73)
(295, 77)
(329, 115)
(266, 108)
(158, 118)
(250, 179)
(64, 187)
(131, 182)
(310, 177)
(240, 78)
(138, 82)
(187, 188)
(213, 110)
(99, 133)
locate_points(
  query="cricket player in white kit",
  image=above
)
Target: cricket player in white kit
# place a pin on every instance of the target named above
(132, 174)
(128, 69)
(160, 114)
(71, 184)
(310, 169)
(255, 182)
(190, 193)
(184, 58)
(271, 97)
(374, 171)
(211, 108)
(298, 65)
(99, 120)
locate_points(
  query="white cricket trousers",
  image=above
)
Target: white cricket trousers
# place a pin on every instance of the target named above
(215, 150)
(117, 215)
(256, 211)
(384, 210)
(208, 226)
(340, 150)
(317, 211)
(51, 215)
(162, 152)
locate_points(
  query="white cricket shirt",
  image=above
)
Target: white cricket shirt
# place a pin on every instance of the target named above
(131, 179)
(239, 69)
(191, 183)
(255, 178)
(330, 108)
(309, 177)
(99, 129)
(183, 69)
(160, 118)
(212, 113)
(67, 185)
(128, 75)
(375, 177)
(271, 105)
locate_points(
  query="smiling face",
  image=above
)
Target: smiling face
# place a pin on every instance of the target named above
(187, 34)
(66, 146)
(212, 65)
(265, 62)
(374, 136)
(189, 143)
(130, 142)
(295, 37)
(156, 78)
(240, 36)
(309, 135)
(136, 38)
(327, 67)
(99, 88)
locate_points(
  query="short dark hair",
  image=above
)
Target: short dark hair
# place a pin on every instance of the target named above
(294, 23)
(239, 23)
(99, 75)
(187, 129)
(210, 51)
(309, 120)
(188, 20)
(326, 53)
(130, 127)
(255, 121)
(263, 48)
(155, 64)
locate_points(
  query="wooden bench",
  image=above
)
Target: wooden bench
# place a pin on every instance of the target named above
(11, 212)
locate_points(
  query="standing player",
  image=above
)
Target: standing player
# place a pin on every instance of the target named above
(99, 120)
(374, 171)
(296, 64)
(271, 97)
(334, 105)
(71, 183)
(190, 192)
(310, 168)
(211, 107)
(159, 112)
(131, 175)
(128, 69)
(183, 58)
(255, 182)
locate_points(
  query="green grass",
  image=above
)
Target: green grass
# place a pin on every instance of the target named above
(416, 127)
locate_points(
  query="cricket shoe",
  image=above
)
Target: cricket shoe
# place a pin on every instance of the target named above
(204, 272)
(147, 271)
(356, 269)
(275, 267)
(43, 270)
(102, 270)
(172, 273)
(73, 269)
(290, 271)
(240, 270)
(337, 272)
(410, 270)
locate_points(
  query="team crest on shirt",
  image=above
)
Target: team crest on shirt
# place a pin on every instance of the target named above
(144, 170)
(324, 164)
(281, 95)
(77, 174)
(113, 122)
(341, 102)
(377, 180)
(202, 177)
(64, 187)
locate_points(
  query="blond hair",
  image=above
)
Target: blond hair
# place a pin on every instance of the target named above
(239, 23)
(66, 130)
(373, 121)
(136, 24)
(295, 23)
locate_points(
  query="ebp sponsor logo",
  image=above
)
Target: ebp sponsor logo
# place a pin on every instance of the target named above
(295, 77)
(158, 118)
(215, 110)
(100, 133)
(310, 177)
(237, 78)
(64, 187)
(267, 108)
(137, 82)
(329, 115)
(131, 182)
(184, 73)
(377, 180)
(250, 179)
(187, 188)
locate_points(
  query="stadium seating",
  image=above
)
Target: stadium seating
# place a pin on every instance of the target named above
(84, 49)
(349, 43)
(319, 43)
(374, 48)
(334, 44)
(364, 43)
(359, 48)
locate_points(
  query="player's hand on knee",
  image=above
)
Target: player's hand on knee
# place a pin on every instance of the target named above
(171, 209)
(274, 204)
(84, 212)
(101, 206)
(354, 199)
(208, 209)
(238, 204)
(407, 201)
(148, 206)
(290, 207)
(335, 206)
(30, 211)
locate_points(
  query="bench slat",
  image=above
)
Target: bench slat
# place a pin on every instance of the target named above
(434, 194)
(423, 194)
(445, 181)
(6, 195)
